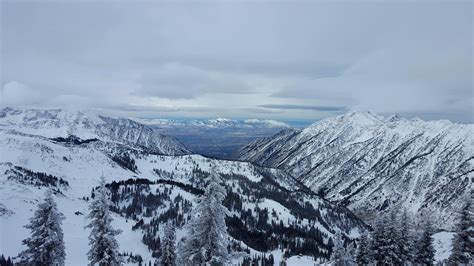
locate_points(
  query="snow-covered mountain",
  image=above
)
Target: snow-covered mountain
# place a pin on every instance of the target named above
(70, 151)
(213, 123)
(372, 163)
(84, 125)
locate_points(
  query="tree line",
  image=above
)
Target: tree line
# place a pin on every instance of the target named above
(393, 240)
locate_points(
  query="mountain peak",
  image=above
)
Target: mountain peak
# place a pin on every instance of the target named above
(362, 116)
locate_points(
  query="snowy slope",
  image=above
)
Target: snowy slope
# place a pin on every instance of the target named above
(371, 163)
(32, 159)
(63, 123)
(442, 243)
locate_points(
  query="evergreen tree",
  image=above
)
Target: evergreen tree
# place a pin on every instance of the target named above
(45, 246)
(104, 249)
(425, 249)
(206, 241)
(392, 240)
(341, 256)
(378, 243)
(338, 249)
(168, 256)
(350, 254)
(407, 241)
(5, 262)
(463, 242)
(363, 252)
(385, 246)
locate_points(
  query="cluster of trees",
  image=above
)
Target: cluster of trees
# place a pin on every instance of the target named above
(125, 161)
(5, 261)
(135, 199)
(129, 257)
(39, 179)
(263, 229)
(394, 241)
(73, 140)
(260, 228)
(206, 241)
(463, 242)
(260, 259)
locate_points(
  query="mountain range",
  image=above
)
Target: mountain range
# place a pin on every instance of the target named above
(213, 123)
(373, 164)
(152, 179)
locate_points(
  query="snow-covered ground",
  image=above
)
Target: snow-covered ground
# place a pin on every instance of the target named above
(82, 165)
(442, 243)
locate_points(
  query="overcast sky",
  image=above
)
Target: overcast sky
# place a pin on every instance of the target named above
(275, 60)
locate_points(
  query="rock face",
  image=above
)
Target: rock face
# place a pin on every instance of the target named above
(371, 163)
(61, 123)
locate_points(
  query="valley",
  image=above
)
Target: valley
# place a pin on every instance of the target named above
(288, 195)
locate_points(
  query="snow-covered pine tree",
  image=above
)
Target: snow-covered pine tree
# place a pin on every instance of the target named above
(206, 241)
(392, 240)
(425, 250)
(45, 246)
(338, 249)
(168, 256)
(463, 242)
(407, 239)
(378, 242)
(350, 254)
(363, 252)
(104, 249)
(341, 256)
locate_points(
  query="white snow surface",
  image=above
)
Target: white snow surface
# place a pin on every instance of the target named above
(443, 244)
(81, 166)
(370, 162)
(86, 125)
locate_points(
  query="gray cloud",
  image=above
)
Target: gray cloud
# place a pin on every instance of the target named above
(305, 107)
(177, 81)
(229, 58)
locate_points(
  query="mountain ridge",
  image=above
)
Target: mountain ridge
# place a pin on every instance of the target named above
(370, 163)
(213, 123)
(86, 125)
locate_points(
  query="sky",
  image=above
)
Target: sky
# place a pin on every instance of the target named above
(296, 60)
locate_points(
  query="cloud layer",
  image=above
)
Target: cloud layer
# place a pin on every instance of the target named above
(277, 60)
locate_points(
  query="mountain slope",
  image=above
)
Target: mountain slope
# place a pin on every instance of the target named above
(268, 206)
(371, 163)
(61, 123)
